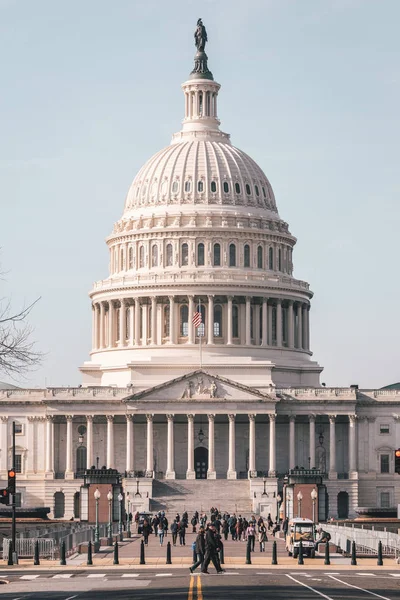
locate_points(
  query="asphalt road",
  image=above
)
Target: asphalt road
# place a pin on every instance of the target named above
(180, 585)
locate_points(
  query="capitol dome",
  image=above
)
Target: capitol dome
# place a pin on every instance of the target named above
(200, 234)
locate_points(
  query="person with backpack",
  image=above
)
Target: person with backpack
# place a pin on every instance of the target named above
(262, 537)
(251, 536)
(211, 547)
(194, 523)
(146, 530)
(182, 532)
(174, 531)
(199, 547)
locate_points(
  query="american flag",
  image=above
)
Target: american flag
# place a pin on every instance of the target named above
(197, 320)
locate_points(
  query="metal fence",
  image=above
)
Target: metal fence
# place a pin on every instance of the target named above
(366, 540)
(25, 547)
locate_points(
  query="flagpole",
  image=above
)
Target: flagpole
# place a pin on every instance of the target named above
(201, 355)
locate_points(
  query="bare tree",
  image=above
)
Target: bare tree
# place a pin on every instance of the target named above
(17, 351)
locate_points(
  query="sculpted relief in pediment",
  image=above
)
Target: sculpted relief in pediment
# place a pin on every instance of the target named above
(201, 388)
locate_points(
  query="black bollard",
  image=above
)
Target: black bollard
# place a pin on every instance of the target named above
(248, 553)
(221, 554)
(36, 560)
(353, 553)
(62, 554)
(142, 560)
(89, 554)
(380, 557)
(274, 554)
(169, 561)
(116, 560)
(327, 557)
(10, 556)
(301, 559)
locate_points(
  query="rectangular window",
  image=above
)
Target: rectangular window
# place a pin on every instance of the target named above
(384, 428)
(385, 499)
(384, 463)
(18, 463)
(18, 428)
(18, 500)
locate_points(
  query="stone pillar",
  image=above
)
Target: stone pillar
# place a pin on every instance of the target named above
(248, 317)
(265, 322)
(49, 447)
(299, 327)
(111, 313)
(170, 474)
(69, 471)
(307, 346)
(129, 443)
(122, 324)
(190, 320)
(256, 324)
(110, 441)
(229, 322)
(172, 332)
(137, 322)
(89, 444)
(371, 445)
(352, 445)
(94, 343)
(290, 325)
(332, 447)
(4, 446)
(232, 450)
(154, 321)
(269, 307)
(190, 473)
(131, 325)
(145, 323)
(102, 325)
(304, 325)
(150, 450)
(252, 446)
(312, 441)
(210, 322)
(211, 473)
(272, 446)
(30, 466)
(279, 323)
(292, 441)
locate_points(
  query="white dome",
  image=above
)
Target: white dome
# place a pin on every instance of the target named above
(201, 172)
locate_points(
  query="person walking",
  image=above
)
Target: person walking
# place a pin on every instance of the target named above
(211, 550)
(160, 532)
(174, 531)
(262, 537)
(251, 536)
(146, 531)
(194, 523)
(225, 529)
(200, 550)
(182, 532)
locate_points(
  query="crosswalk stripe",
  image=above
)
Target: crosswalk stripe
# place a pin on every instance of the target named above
(62, 576)
(130, 575)
(163, 574)
(98, 575)
(29, 576)
(395, 574)
(367, 574)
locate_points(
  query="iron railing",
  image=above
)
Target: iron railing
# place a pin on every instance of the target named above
(366, 540)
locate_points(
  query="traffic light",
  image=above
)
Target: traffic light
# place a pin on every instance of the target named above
(11, 481)
(4, 497)
(397, 461)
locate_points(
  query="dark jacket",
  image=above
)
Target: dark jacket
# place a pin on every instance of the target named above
(200, 543)
(211, 542)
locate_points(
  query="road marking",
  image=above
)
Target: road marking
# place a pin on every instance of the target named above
(62, 576)
(260, 573)
(29, 576)
(395, 574)
(309, 588)
(163, 574)
(93, 575)
(199, 590)
(130, 575)
(331, 573)
(313, 579)
(366, 574)
(3, 576)
(190, 592)
(70, 597)
(359, 588)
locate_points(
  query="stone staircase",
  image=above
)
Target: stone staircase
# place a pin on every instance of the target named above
(176, 496)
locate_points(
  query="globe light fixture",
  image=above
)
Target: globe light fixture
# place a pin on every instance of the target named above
(120, 499)
(299, 501)
(97, 496)
(314, 496)
(109, 498)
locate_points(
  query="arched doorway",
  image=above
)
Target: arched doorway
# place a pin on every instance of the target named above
(343, 505)
(201, 462)
(59, 505)
(81, 460)
(77, 499)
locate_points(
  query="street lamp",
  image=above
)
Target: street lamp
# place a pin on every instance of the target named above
(109, 498)
(314, 496)
(120, 498)
(299, 500)
(128, 524)
(96, 528)
(265, 493)
(278, 500)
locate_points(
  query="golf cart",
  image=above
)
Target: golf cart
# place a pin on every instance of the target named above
(304, 530)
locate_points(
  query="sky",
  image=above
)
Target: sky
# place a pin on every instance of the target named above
(310, 89)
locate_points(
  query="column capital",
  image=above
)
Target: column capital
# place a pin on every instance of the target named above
(190, 418)
(31, 419)
(210, 296)
(248, 298)
(89, 418)
(332, 419)
(129, 418)
(230, 298)
(211, 417)
(190, 297)
(149, 418)
(252, 417)
(290, 302)
(49, 418)
(232, 418)
(170, 417)
(137, 301)
(110, 418)
(171, 298)
(373, 419)
(395, 417)
(352, 419)
(69, 418)
(292, 418)
(265, 300)
(312, 418)
(279, 301)
(272, 417)
(4, 419)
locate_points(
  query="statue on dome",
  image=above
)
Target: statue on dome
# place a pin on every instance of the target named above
(200, 36)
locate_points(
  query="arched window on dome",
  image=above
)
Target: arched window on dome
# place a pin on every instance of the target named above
(200, 255)
(122, 258)
(264, 192)
(188, 186)
(232, 255)
(271, 259)
(257, 190)
(175, 187)
(248, 190)
(184, 255)
(154, 255)
(166, 321)
(130, 257)
(169, 255)
(200, 104)
(184, 320)
(259, 257)
(200, 186)
(208, 104)
(237, 188)
(235, 321)
(279, 260)
(217, 321)
(141, 257)
(213, 187)
(217, 255)
(246, 256)
(226, 187)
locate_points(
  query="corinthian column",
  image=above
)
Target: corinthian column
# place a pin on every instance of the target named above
(102, 326)
(210, 328)
(4, 445)
(248, 321)
(154, 321)
(190, 320)
(229, 323)
(110, 441)
(292, 441)
(111, 313)
(352, 444)
(290, 325)
(332, 447)
(232, 457)
(129, 443)
(89, 450)
(49, 447)
(279, 323)
(69, 473)
(265, 322)
(190, 473)
(252, 446)
(272, 448)
(312, 441)
(170, 474)
(122, 324)
(211, 474)
(150, 451)
(137, 322)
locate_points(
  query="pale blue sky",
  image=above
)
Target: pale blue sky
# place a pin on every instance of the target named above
(310, 89)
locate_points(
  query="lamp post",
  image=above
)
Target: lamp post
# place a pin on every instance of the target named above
(299, 500)
(96, 528)
(265, 493)
(128, 523)
(120, 498)
(109, 498)
(314, 495)
(278, 501)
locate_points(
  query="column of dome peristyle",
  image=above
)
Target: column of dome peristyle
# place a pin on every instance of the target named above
(201, 106)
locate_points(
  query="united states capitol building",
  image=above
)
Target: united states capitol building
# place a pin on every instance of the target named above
(237, 399)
